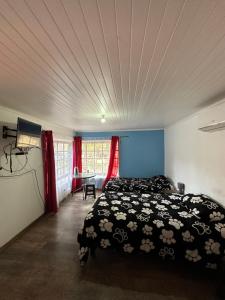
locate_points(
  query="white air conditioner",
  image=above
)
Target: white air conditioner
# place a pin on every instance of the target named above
(213, 126)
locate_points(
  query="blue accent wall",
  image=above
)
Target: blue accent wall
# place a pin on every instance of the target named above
(141, 152)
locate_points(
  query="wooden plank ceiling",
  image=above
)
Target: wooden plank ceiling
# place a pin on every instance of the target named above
(142, 63)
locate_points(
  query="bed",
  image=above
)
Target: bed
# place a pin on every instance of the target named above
(132, 218)
(153, 184)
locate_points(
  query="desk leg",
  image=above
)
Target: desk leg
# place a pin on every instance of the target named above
(83, 185)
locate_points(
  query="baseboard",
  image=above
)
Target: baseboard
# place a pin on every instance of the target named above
(20, 234)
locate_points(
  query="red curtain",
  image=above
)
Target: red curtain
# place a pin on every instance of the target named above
(49, 172)
(113, 160)
(77, 161)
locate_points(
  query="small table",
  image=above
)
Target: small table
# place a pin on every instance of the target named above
(84, 177)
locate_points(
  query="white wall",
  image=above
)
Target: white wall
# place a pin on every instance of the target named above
(198, 158)
(20, 202)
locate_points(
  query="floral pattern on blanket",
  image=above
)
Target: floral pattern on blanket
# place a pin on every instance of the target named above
(167, 225)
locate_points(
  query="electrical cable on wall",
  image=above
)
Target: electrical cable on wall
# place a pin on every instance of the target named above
(27, 172)
(12, 148)
(26, 136)
(10, 170)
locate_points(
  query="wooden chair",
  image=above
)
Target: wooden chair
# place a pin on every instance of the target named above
(90, 190)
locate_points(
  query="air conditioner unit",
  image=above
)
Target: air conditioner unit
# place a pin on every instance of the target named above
(213, 126)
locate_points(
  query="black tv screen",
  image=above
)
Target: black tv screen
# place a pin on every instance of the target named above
(28, 134)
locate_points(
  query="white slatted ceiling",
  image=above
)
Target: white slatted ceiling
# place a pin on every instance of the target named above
(142, 63)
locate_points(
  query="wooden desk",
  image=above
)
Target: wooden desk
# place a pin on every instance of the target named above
(84, 177)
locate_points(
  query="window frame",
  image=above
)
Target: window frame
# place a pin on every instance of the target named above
(104, 158)
(65, 161)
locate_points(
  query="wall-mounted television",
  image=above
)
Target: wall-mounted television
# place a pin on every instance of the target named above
(28, 134)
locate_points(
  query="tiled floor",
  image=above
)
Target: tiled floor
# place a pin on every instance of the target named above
(43, 264)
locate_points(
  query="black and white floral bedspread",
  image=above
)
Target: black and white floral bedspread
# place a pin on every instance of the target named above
(189, 227)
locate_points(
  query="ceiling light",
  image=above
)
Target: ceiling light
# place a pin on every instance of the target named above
(103, 120)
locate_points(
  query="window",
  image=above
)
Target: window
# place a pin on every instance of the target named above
(95, 156)
(63, 166)
(63, 159)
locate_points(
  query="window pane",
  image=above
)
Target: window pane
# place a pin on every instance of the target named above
(60, 147)
(90, 155)
(60, 156)
(83, 147)
(85, 170)
(91, 169)
(66, 146)
(98, 147)
(98, 169)
(90, 147)
(105, 162)
(106, 146)
(98, 154)
(105, 154)
(63, 162)
(98, 161)
(105, 167)
(90, 163)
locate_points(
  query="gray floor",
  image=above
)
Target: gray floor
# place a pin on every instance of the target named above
(43, 264)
